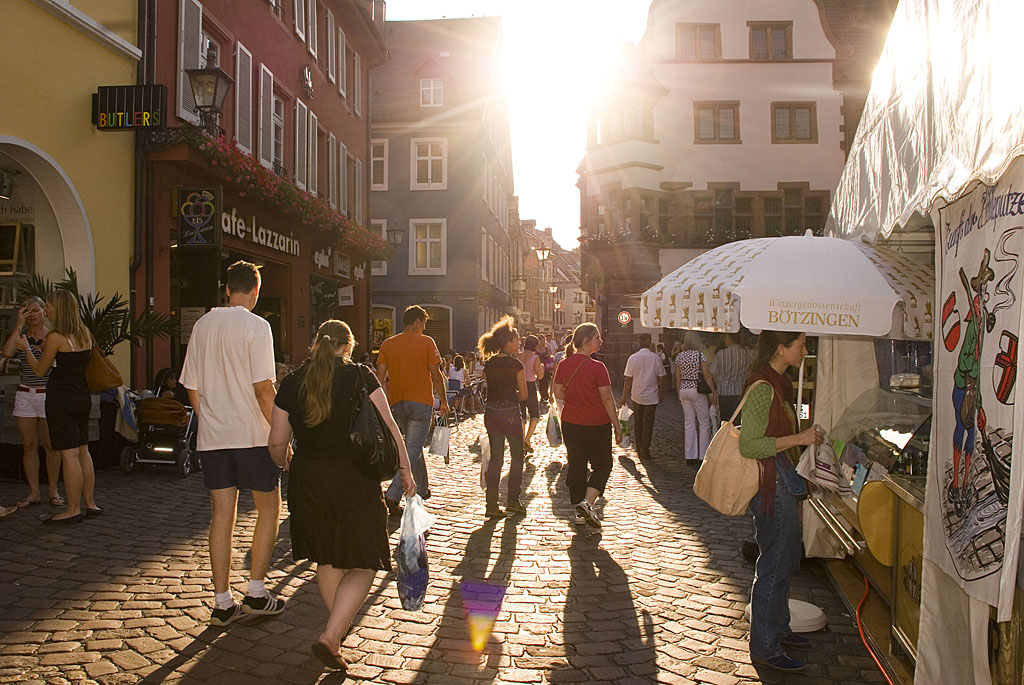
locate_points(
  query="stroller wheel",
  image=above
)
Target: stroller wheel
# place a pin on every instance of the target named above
(184, 462)
(127, 461)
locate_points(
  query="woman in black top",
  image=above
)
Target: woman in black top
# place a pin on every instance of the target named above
(338, 518)
(506, 388)
(67, 400)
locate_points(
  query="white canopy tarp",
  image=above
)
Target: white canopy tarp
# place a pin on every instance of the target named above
(944, 110)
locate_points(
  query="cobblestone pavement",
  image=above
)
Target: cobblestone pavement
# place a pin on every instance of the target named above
(658, 596)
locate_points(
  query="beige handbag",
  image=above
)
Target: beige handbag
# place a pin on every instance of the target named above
(727, 480)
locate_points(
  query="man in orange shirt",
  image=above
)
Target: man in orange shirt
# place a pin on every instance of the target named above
(408, 367)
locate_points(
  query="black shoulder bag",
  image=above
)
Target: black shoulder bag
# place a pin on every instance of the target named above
(371, 444)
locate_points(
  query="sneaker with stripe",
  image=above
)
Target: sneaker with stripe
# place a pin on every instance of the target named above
(223, 617)
(262, 606)
(589, 514)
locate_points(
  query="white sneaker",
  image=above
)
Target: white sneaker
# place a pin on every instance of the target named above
(586, 510)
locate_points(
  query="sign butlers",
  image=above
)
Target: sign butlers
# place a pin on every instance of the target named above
(232, 224)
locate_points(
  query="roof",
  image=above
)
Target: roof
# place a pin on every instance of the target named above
(857, 30)
(465, 52)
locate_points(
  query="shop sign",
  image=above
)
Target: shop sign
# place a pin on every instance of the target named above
(346, 296)
(359, 272)
(197, 208)
(234, 225)
(342, 265)
(322, 258)
(17, 211)
(125, 108)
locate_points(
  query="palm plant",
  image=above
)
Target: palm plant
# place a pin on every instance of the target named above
(109, 322)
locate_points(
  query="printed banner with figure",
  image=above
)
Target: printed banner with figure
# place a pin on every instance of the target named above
(974, 493)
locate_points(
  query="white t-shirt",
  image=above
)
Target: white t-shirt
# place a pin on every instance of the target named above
(552, 347)
(230, 350)
(644, 367)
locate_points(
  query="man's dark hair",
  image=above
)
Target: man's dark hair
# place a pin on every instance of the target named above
(242, 277)
(413, 314)
(645, 340)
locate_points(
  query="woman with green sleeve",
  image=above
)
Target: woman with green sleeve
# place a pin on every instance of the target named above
(769, 433)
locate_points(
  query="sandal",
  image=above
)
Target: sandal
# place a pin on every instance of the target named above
(7, 511)
(57, 501)
(26, 503)
(335, 662)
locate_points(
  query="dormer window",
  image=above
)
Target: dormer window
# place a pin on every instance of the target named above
(431, 92)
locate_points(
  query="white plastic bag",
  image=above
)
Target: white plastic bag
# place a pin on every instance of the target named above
(441, 439)
(411, 554)
(554, 430)
(485, 459)
(624, 415)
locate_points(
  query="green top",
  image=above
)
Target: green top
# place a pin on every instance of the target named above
(754, 444)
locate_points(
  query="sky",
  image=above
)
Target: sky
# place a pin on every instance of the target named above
(556, 55)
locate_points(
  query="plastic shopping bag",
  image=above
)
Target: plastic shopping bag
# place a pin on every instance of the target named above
(554, 430)
(624, 414)
(439, 443)
(485, 459)
(411, 554)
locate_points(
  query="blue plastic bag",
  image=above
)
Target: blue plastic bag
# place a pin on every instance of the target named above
(411, 554)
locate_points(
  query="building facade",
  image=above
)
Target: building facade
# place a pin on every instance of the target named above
(729, 121)
(66, 185)
(442, 185)
(284, 180)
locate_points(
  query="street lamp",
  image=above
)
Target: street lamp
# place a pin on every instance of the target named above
(395, 235)
(552, 289)
(209, 90)
(543, 251)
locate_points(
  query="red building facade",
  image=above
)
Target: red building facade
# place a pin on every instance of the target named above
(284, 185)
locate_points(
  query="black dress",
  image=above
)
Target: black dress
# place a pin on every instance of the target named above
(338, 515)
(67, 401)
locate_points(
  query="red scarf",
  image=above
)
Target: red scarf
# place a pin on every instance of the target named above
(780, 424)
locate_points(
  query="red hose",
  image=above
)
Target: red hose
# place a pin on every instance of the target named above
(860, 627)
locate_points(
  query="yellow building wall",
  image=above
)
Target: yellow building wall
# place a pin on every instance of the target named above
(50, 71)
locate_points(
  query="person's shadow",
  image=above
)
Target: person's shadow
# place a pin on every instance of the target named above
(604, 639)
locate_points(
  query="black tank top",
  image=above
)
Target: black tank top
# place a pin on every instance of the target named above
(69, 373)
(500, 372)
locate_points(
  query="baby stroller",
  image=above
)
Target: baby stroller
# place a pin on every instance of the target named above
(167, 436)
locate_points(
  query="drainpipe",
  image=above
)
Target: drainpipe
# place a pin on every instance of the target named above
(145, 34)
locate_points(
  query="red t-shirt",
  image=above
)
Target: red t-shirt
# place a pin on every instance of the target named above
(582, 400)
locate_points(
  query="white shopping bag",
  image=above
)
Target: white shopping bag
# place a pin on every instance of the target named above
(485, 459)
(554, 430)
(439, 443)
(624, 415)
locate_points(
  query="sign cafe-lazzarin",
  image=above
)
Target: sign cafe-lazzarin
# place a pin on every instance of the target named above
(234, 225)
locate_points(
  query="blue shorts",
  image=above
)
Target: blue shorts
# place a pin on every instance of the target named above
(246, 468)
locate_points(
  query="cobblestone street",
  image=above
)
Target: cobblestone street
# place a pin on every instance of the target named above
(657, 596)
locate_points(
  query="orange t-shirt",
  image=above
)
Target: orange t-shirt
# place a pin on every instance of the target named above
(409, 358)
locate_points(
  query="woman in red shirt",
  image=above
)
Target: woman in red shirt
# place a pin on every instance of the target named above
(588, 420)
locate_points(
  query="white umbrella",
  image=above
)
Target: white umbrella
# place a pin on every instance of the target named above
(821, 286)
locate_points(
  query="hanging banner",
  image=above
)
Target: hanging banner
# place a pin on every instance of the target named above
(974, 497)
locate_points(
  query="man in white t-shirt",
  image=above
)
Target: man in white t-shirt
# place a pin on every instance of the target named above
(229, 374)
(645, 385)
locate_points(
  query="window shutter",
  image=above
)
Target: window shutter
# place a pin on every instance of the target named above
(357, 84)
(332, 47)
(314, 167)
(266, 132)
(190, 44)
(243, 99)
(301, 143)
(332, 171)
(300, 18)
(359, 191)
(342, 62)
(343, 178)
(311, 27)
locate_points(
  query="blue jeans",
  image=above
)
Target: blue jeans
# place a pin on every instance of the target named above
(413, 419)
(779, 540)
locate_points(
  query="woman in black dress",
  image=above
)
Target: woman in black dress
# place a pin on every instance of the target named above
(67, 400)
(338, 517)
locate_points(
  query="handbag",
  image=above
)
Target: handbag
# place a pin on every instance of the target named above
(727, 480)
(702, 384)
(100, 372)
(371, 443)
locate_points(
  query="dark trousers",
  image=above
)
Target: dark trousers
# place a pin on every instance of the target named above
(643, 426)
(503, 423)
(587, 445)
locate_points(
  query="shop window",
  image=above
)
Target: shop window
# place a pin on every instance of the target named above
(698, 42)
(342, 62)
(428, 247)
(794, 122)
(771, 41)
(431, 92)
(379, 164)
(716, 122)
(379, 267)
(429, 164)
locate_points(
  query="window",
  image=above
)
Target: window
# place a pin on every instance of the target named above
(311, 32)
(716, 122)
(190, 54)
(699, 42)
(794, 122)
(360, 181)
(301, 142)
(342, 63)
(379, 164)
(313, 182)
(379, 267)
(429, 164)
(744, 216)
(300, 18)
(278, 123)
(773, 216)
(427, 247)
(267, 110)
(332, 171)
(431, 92)
(342, 178)
(243, 99)
(357, 84)
(771, 42)
(331, 48)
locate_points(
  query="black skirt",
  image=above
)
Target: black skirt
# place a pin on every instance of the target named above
(338, 515)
